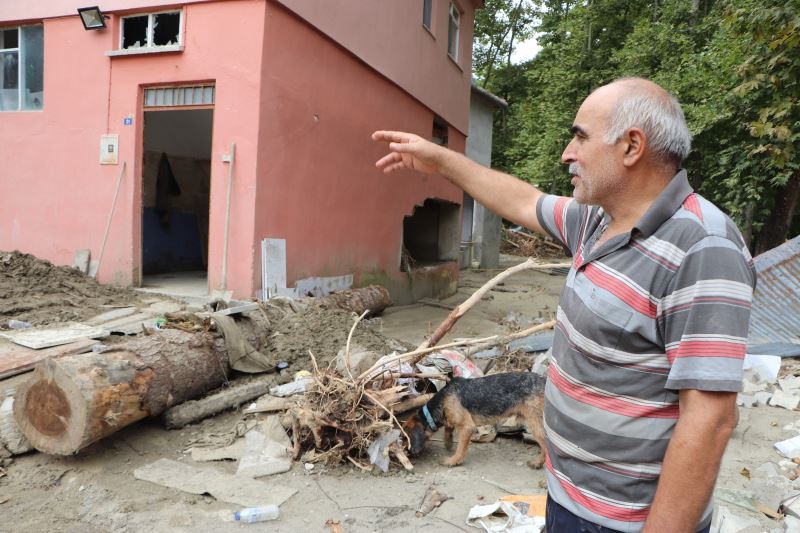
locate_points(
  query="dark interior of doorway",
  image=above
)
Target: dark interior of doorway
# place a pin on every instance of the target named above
(175, 188)
(430, 235)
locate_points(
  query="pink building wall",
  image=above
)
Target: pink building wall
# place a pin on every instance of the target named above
(54, 196)
(299, 107)
(318, 187)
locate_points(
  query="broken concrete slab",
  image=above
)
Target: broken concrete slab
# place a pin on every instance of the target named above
(38, 338)
(234, 451)
(228, 488)
(748, 387)
(161, 307)
(790, 385)
(267, 450)
(745, 400)
(762, 398)
(785, 400)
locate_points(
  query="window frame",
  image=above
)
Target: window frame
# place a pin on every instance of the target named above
(453, 8)
(150, 20)
(429, 5)
(21, 71)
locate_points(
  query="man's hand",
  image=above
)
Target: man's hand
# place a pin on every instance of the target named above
(409, 151)
(692, 461)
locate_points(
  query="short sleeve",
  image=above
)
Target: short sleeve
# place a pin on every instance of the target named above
(562, 217)
(705, 315)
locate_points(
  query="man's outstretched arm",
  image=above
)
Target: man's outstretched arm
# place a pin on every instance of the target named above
(509, 197)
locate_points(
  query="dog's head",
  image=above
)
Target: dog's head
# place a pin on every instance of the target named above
(418, 432)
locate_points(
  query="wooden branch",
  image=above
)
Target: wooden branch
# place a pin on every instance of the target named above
(234, 396)
(413, 403)
(410, 357)
(459, 311)
(347, 346)
(508, 338)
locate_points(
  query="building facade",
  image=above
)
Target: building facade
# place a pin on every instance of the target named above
(201, 129)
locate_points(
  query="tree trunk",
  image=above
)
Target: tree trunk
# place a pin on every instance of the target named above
(73, 401)
(777, 224)
(373, 298)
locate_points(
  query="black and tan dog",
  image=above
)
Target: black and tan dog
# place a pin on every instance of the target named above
(464, 404)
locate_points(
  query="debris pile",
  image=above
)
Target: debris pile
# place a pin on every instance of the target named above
(518, 241)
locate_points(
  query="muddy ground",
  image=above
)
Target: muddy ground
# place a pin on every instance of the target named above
(95, 490)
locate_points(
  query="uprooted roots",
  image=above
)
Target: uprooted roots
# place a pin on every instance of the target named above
(338, 419)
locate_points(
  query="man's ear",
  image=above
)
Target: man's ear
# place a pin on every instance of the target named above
(635, 143)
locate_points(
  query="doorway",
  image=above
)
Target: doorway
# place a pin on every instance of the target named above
(176, 176)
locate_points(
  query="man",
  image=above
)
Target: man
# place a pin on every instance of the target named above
(652, 322)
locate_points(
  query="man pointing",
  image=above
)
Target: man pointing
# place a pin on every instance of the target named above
(652, 322)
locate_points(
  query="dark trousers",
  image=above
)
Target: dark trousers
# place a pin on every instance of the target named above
(560, 520)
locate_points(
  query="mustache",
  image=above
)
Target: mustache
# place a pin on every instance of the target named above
(575, 170)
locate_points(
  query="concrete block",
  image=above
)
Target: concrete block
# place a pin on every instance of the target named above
(790, 385)
(745, 400)
(785, 400)
(762, 398)
(725, 521)
(749, 387)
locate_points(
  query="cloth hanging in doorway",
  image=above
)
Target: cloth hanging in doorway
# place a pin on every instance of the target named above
(166, 186)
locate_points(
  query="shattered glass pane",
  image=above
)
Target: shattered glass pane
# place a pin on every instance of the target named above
(134, 32)
(9, 38)
(165, 29)
(9, 81)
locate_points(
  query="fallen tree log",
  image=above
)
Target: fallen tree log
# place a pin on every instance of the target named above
(73, 401)
(373, 298)
(228, 398)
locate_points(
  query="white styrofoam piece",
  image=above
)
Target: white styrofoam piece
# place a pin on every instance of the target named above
(273, 267)
(789, 448)
(766, 366)
(37, 338)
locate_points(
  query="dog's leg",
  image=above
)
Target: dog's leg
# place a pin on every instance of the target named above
(464, 435)
(534, 419)
(448, 438)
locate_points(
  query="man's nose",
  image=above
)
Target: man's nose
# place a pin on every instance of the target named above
(568, 156)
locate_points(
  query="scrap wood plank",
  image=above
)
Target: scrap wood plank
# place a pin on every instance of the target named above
(17, 359)
(108, 316)
(130, 325)
(38, 338)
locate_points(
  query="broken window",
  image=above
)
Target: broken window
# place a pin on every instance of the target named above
(452, 31)
(431, 234)
(151, 30)
(21, 68)
(439, 134)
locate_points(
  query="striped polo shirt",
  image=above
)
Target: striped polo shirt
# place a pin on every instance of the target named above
(645, 314)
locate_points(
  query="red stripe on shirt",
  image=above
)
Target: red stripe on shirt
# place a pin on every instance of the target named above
(732, 350)
(614, 512)
(611, 404)
(692, 204)
(621, 290)
(558, 213)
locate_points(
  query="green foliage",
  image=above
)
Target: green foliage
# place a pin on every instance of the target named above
(733, 64)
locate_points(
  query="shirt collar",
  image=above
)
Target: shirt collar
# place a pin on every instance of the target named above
(666, 204)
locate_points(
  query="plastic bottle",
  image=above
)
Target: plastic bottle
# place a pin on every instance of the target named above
(18, 324)
(257, 514)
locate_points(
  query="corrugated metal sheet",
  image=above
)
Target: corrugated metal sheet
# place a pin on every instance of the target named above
(776, 302)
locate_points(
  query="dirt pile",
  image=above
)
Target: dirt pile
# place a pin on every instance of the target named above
(324, 332)
(35, 291)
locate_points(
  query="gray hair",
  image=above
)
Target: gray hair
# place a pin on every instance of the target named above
(659, 116)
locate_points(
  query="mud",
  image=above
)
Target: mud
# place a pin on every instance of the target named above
(35, 291)
(323, 332)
